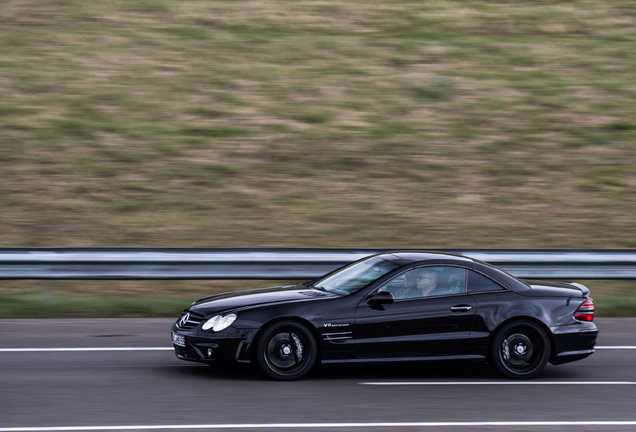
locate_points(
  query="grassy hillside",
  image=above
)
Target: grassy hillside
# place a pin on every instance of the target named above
(327, 123)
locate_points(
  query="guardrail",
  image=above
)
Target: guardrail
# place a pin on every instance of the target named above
(281, 264)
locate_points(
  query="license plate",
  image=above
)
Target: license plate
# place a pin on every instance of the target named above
(178, 340)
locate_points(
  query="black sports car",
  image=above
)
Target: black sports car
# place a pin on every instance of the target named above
(400, 306)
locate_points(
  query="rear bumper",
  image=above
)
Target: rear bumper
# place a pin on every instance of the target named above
(573, 342)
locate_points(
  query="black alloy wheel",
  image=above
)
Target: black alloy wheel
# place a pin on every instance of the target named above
(286, 351)
(520, 350)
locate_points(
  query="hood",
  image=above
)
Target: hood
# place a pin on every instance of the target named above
(555, 289)
(257, 297)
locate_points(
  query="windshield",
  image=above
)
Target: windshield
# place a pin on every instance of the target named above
(356, 276)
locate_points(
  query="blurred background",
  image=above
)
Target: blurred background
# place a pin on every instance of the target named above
(384, 124)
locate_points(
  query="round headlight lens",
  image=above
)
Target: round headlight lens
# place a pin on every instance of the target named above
(210, 323)
(219, 322)
(224, 322)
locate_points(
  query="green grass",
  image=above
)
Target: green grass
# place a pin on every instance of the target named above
(111, 299)
(446, 124)
(90, 307)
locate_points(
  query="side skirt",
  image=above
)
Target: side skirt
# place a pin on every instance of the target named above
(407, 359)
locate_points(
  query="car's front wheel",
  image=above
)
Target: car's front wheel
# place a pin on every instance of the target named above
(520, 350)
(286, 351)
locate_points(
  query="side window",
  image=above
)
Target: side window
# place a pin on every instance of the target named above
(427, 282)
(478, 283)
(395, 286)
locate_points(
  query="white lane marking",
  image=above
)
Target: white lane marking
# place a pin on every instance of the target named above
(86, 349)
(319, 425)
(616, 347)
(80, 349)
(465, 383)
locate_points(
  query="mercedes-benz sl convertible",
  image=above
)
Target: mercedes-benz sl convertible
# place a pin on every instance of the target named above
(392, 307)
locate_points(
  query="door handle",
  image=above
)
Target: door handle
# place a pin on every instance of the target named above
(462, 308)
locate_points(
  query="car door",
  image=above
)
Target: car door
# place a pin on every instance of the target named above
(417, 325)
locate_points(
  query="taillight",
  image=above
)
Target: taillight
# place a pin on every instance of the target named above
(585, 312)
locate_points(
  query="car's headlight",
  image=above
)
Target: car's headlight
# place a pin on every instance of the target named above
(219, 322)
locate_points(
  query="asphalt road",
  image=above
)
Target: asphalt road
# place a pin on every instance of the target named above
(121, 374)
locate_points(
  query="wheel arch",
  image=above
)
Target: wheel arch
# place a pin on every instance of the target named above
(272, 321)
(532, 319)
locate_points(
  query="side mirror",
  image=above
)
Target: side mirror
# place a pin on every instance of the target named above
(380, 298)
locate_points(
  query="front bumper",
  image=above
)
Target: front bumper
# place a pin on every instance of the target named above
(229, 346)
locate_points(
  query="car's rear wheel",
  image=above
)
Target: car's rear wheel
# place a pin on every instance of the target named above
(286, 351)
(520, 350)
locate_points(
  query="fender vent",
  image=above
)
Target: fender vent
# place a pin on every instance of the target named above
(337, 337)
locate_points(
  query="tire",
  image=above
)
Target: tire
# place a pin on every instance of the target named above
(286, 351)
(520, 350)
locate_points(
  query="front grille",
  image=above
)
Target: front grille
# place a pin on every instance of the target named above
(189, 320)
